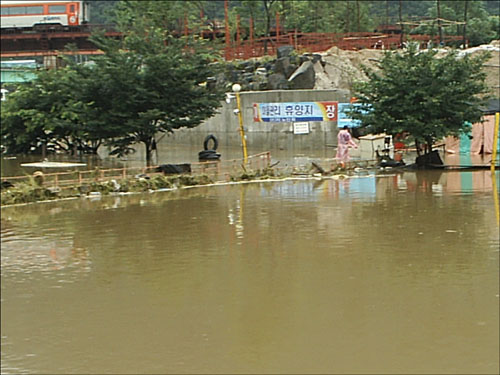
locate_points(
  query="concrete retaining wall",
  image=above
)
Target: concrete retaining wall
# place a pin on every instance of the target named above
(265, 135)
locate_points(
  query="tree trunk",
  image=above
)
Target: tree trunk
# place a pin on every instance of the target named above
(347, 17)
(465, 24)
(387, 12)
(358, 23)
(147, 145)
(283, 13)
(440, 28)
(268, 25)
(401, 22)
(429, 145)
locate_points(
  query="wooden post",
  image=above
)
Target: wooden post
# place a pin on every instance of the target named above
(277, 28)
(238, 30)
(251, 31)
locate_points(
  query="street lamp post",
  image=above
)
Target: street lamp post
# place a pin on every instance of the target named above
(236, 89)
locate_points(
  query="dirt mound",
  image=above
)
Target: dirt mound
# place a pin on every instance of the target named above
(340, 68)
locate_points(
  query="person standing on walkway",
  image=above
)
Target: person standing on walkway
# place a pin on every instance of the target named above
(344, 141)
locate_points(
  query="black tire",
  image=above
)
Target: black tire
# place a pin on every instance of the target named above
(214, 156)
(205, 153)
(207, 139)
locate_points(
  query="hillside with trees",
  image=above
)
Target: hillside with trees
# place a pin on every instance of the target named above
(481, 17)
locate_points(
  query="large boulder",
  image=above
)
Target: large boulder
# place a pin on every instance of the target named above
(284, 51)
(304, 77)
(284, 67)
(277, 81)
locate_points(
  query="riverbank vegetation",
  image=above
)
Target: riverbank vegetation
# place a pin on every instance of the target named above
(33, 189)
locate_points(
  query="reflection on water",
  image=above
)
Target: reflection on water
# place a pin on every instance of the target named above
(372, 274)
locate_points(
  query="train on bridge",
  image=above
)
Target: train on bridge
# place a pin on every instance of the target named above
(40, 15)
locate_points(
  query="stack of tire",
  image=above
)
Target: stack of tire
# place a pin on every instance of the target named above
(209, 154)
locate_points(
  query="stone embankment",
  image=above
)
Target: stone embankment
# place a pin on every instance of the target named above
(332, 69)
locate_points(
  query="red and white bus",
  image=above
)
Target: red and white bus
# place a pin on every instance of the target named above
(31, 13)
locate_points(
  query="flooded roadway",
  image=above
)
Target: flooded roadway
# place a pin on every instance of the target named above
(388, 274)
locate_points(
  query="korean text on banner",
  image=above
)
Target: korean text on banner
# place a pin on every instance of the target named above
(298, 111)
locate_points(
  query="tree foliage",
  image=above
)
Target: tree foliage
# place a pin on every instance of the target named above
(49, 112)
(147, 83)
(421, 95)
(154, 87)
(314, 15)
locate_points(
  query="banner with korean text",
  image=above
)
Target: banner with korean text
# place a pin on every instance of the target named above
(298, 111)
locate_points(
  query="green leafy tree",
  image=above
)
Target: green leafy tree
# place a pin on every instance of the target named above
(148, 83)
(418, 94)
(471, 17)
(151, 85)
(101, 11)
(171, 16)
(47, 112)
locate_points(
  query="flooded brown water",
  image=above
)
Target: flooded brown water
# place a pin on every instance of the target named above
(388, 274)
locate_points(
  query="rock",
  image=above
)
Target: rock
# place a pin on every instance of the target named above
(284, 67)
(284, 51)
(247, 77)
(304, 77)
(277, 81)
(254, 86)
(316, 57)
(261, 71)
(303, 59)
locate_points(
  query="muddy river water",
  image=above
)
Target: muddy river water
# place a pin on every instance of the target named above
(395, 273)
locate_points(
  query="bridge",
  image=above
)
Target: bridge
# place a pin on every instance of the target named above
(15, 44)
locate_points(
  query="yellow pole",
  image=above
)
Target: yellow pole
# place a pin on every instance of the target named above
(242, 131)
(493, 174)
(495, 142)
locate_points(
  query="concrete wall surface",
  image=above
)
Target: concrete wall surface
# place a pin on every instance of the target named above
(265, 135)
